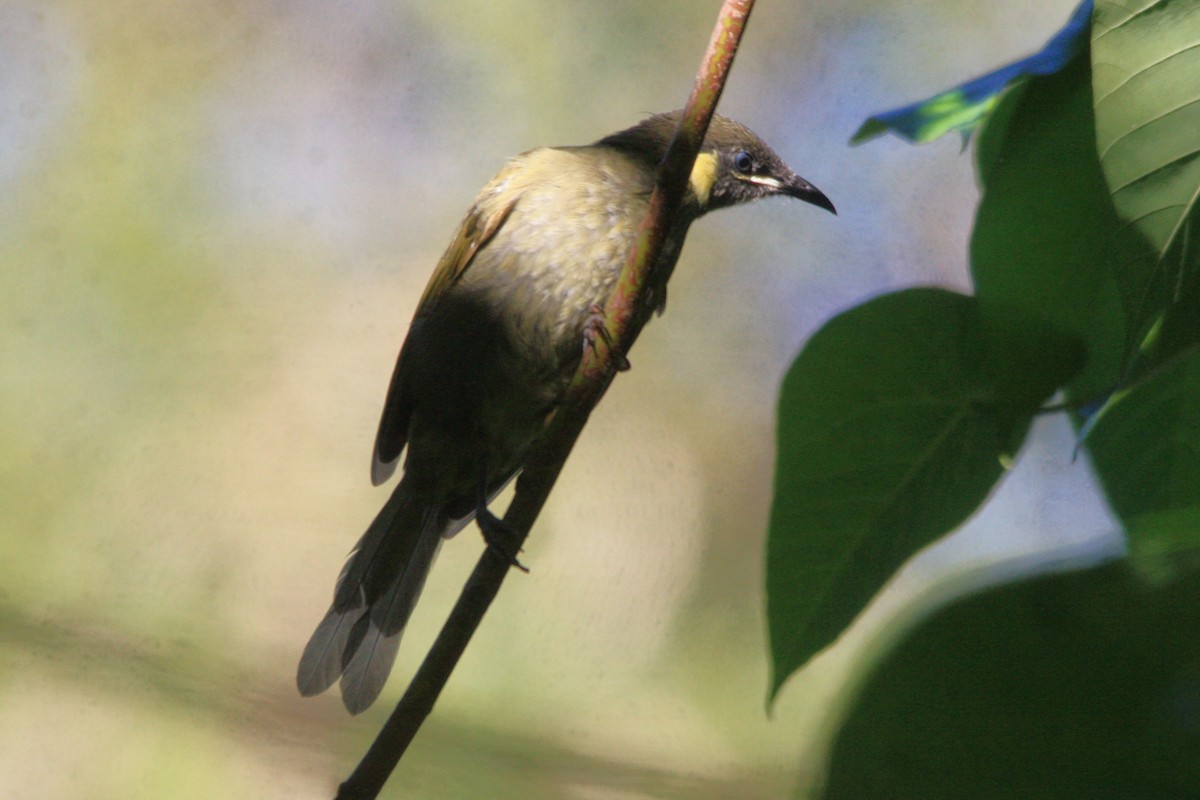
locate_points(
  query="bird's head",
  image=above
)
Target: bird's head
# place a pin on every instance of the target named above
(734, 165)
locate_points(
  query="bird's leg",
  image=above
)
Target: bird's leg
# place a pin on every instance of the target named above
(595, 327)
(499, 535)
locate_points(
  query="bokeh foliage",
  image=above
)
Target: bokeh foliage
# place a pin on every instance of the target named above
(1086, 277)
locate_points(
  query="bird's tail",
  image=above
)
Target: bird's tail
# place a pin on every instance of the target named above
(376, 592)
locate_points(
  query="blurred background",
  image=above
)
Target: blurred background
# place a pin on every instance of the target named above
(216, 218)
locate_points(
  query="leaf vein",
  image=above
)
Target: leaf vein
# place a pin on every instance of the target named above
(1155, 169)
(1146, 122)
(1132, 16)
(1096, 103)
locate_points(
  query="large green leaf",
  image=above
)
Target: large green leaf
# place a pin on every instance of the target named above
(893, 424)
(1146, 75)
(1146, 448)
(1047, 244)
(1083, 685)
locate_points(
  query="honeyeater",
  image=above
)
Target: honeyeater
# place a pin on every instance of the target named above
(495, 339)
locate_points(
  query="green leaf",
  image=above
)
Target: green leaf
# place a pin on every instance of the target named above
(1165, 545)
(1146, 74)
(893, 423)
(1047, 245)
(961, 108)
(1146, 59)
(1083, 685)
(1146, 448)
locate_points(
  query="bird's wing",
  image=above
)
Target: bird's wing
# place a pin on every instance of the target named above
(483, 221)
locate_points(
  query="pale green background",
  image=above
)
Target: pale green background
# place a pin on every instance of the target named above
(215, 220)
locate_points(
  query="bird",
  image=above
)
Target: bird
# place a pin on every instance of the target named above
(496, 336)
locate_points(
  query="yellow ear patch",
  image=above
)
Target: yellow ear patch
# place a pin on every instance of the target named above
(704, 175)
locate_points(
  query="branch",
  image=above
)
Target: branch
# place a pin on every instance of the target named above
(652, 257)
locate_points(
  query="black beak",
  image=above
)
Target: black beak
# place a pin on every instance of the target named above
(803, 190)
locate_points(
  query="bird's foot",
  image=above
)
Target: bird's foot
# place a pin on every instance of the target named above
(595, 328)
(501, 538)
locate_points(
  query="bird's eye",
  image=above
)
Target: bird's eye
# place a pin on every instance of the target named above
(742, 162)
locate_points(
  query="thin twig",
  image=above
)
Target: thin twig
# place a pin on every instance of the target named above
(652, 257)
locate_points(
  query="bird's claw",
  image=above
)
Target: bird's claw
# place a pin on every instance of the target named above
(501, 538)
(596, 328)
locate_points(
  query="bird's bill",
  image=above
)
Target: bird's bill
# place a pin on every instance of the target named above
(801, 189)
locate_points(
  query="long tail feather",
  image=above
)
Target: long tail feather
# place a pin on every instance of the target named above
(376, 592)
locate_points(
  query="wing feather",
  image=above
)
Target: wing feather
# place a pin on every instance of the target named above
(485, 219)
